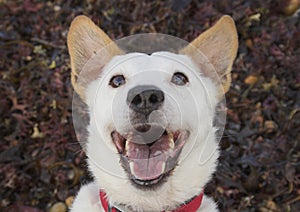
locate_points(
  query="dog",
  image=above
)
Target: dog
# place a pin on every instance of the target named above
(151, 118)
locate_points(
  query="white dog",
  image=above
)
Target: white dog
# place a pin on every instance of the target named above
(151, 119)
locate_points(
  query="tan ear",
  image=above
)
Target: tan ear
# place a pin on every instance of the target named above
(85, 39)
(219, 44)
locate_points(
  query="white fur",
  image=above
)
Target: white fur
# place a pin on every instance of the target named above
(188, 107)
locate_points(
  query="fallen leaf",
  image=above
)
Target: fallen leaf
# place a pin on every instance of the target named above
(270, 126)
(251, 80)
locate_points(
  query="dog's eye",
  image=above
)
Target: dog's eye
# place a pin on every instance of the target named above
(117, 81)
(179, 79)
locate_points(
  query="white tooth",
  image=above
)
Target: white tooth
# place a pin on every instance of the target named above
(171, 140)
(128, 140)
(171, 143)
(170, 135)
(127, 145)
(163, 166)
(131, 165)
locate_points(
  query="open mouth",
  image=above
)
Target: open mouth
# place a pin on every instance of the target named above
(150, 153)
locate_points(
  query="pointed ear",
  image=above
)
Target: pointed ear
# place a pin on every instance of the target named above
(219, 44)
(85, 39)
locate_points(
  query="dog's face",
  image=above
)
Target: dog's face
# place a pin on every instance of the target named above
(151, 116)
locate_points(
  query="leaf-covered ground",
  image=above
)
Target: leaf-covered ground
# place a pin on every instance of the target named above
(41, 163)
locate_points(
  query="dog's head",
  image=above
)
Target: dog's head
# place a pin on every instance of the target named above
(151, 115)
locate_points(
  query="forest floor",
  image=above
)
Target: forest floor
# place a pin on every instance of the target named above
(41, 162)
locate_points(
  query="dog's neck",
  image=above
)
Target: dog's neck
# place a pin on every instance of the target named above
(190, 205)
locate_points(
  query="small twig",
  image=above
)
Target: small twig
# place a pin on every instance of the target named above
(21, 42)
(47, 43)
(77, 172)
(291, 201)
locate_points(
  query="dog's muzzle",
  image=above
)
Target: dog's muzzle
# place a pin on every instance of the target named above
(148, 149)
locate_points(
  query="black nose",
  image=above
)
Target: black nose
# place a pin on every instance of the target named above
(145, 99)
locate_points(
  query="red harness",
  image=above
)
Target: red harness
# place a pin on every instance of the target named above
(191, 206)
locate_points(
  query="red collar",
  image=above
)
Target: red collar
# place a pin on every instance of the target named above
(191, 206)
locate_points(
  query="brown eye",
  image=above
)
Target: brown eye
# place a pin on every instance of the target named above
(179, 79)
(117, 81)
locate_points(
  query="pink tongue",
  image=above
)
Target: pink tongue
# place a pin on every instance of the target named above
(147, 162)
